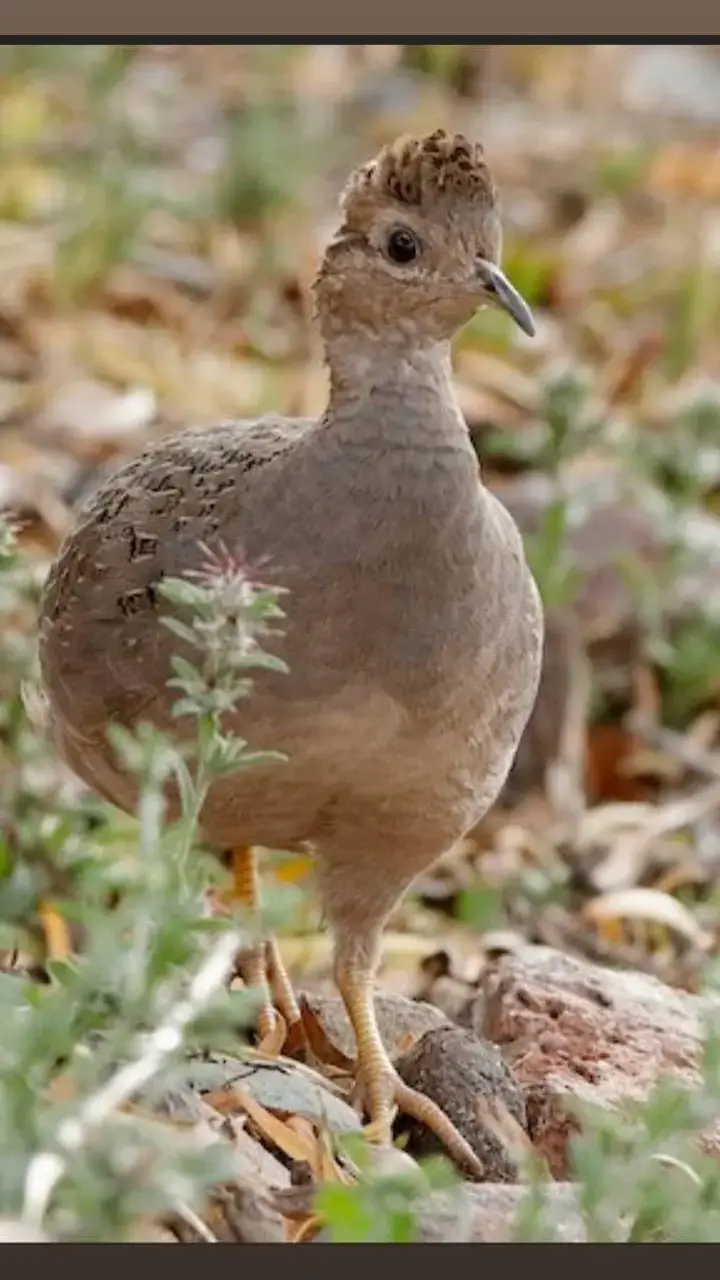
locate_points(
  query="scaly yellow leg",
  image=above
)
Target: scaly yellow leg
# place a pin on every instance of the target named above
(281, 984)
(383, 1090)
(264, 959)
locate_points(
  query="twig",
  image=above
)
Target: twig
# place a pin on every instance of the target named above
(47, 1167)
(672, 1162)
(195, 1221)
(565, 774)
(679, 746)
(624, 862)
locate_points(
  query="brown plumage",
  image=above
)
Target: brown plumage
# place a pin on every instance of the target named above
(413, 630)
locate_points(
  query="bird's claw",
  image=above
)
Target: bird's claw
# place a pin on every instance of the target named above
(399, 1098)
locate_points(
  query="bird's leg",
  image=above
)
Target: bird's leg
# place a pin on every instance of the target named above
(245, 892)
(375, 1073)
(383, 1091)
(282, 987)
(264, 955)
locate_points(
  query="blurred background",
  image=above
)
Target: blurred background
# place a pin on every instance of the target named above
(162, 209)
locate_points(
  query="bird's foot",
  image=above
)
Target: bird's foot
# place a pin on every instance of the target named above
(379, 1132)
(260, 965)
(278, 1015)
(278, 1021)
(394, 1097)
(271, 1030)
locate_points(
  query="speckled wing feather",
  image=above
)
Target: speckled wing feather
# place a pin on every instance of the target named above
(177, 491)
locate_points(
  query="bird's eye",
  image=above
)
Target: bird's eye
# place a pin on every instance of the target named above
(402, 246)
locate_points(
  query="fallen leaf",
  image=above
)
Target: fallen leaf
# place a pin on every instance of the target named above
(608, 771)
(223, 1100)
(509, 1132)
(622, 376)
(685, 876)
(330, 1169)
(304, 1231)
(322, 1047)
(253, 1158)
(95, 415)
(650, 905)
(298, 1147)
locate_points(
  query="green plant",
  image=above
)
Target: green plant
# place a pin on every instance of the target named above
(644, 1168)
(383, 1206)
(569, 420)
(265, 164)
(681, 464)
(85, 1053)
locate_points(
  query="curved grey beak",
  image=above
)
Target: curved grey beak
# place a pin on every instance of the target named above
(496, 284)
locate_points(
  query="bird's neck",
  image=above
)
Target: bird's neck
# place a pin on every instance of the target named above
(390, 394)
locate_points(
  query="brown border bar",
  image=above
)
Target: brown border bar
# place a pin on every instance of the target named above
(276, 21)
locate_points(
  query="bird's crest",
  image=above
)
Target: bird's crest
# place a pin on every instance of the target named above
(420, 171)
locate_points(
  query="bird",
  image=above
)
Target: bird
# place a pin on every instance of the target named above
(413, 629)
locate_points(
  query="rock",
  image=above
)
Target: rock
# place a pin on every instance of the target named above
(280, 1086)
(397, 1018)
(470, 1081)
(244, 1214)
(451, 996)
(488, 1213)
(253, 1162)
(575, 1032)
(238, 1213)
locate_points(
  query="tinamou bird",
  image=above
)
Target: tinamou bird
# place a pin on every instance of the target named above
(413, 629)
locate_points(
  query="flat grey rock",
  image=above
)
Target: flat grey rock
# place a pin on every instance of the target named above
(279, 1086)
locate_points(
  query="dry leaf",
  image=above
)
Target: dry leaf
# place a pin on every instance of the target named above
(608, 765)
(330, 1170)
(494, 1114)
(95, 416)
(322, 1047)
(629, 854)
(323, 1167)
(298, 1147)
(294, 1045)
(686, 875)
(223, 1100)
(253, 1158)
(303, 1232)
(650, 905)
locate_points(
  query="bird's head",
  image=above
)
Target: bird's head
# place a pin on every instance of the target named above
(418, 249)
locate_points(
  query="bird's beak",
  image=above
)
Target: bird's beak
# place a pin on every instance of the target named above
(502, 293)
